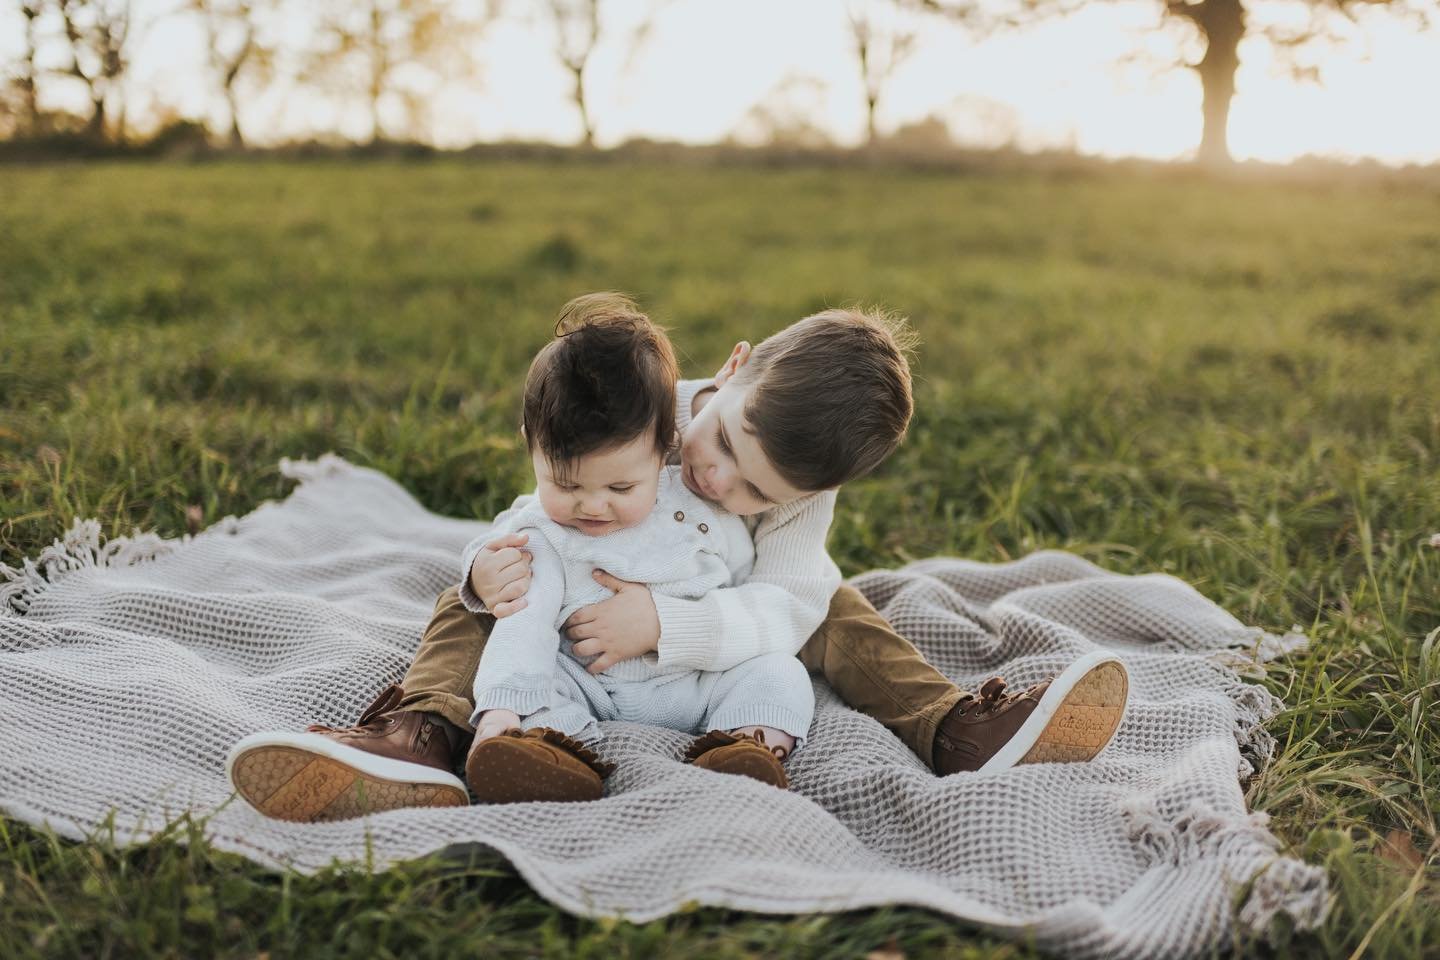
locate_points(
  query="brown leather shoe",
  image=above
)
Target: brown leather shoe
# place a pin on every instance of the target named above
(533, 765)
(391, 758)
(742, 753)
(1068, 718)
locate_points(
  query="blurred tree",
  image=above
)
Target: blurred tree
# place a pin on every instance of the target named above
(27, 83)
(577, 31)
(882, 43)
(785, 117)
(97, 32)
(235, 47)
(1220, 26)
(380, 50)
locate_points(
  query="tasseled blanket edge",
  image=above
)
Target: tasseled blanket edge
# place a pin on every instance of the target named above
(1279, 884)
(84, 547)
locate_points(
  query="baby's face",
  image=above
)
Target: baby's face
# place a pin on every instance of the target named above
(604, 491)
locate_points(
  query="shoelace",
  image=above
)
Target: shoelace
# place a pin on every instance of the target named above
(992, 697)
(388, 700)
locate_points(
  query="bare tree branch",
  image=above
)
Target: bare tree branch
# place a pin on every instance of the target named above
(882, 44)
(1221, 26)
(234, 48)
(366, 48)
(97, 32)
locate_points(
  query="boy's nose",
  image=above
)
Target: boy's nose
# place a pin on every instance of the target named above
(718, 481)
(593, 507)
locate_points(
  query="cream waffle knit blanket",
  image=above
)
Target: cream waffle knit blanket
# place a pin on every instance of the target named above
(129, 667)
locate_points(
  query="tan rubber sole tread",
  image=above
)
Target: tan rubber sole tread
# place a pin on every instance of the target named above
(290, 784)
(1086, 720)
(513, 770)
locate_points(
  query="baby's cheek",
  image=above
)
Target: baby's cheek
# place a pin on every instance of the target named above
(629, 516)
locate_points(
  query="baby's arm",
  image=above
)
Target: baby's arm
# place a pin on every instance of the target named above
(782, 602)
(517, 668)
(495, 559)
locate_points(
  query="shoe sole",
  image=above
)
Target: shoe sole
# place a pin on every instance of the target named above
(512, 770)
(307, 778)
(1075, 719)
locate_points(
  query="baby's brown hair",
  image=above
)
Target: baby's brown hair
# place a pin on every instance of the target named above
(830, 395)
(606, 379)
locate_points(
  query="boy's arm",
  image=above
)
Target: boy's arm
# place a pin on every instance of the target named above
(784, 600)
(517, 668)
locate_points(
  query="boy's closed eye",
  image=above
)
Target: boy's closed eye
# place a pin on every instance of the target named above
(725, 448)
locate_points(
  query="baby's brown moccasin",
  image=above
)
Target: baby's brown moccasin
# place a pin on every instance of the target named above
(742, 753)
(538, 764)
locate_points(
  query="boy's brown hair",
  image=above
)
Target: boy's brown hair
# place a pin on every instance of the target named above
(830, 395)
(607, 378)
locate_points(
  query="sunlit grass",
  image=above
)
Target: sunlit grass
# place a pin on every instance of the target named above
(1230, 382)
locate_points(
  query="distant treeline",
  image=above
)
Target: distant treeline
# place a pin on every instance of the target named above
(192, 143)
(384, 59)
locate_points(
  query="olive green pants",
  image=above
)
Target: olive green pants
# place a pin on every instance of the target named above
(868, 664)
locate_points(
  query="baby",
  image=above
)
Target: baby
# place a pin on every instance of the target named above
(599, 423)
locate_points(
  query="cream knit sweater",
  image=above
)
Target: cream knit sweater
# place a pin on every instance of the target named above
(774, 610)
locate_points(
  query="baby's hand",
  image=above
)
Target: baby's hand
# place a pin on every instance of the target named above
(500, 575)
(495, 722)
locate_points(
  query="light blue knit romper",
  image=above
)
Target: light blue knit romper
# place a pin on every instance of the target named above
(684, 548)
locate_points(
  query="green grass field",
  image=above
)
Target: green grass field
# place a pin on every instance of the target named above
(1231, 381)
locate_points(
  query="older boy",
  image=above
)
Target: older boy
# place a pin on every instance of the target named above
(770, 438)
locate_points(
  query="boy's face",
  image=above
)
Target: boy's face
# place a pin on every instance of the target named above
(722, 460)
(603, 491)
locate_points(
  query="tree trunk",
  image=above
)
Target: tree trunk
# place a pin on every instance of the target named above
(870, 102)
(379, 69)
(1223, 24)
(32, 103)
(95, 126)
(27, 82)
(588, 138)
(237, 142)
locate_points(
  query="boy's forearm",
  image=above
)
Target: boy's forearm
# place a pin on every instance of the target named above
(782, 601)
(726, 627)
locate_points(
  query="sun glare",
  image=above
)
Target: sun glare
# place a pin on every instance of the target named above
(1105, 81)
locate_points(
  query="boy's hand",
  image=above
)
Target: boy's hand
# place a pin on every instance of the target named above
(624, 626)
(500, 575)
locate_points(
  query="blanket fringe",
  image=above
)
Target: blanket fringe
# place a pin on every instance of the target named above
(84, 547)
(1251, 650)
(1254, 705)
(328, 465)
(1283, 885)
(1243, 659)
(1287, 886)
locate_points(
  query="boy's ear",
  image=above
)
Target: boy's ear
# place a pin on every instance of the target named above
(738, 358)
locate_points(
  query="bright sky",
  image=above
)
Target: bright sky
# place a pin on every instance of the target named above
(1070, 83)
